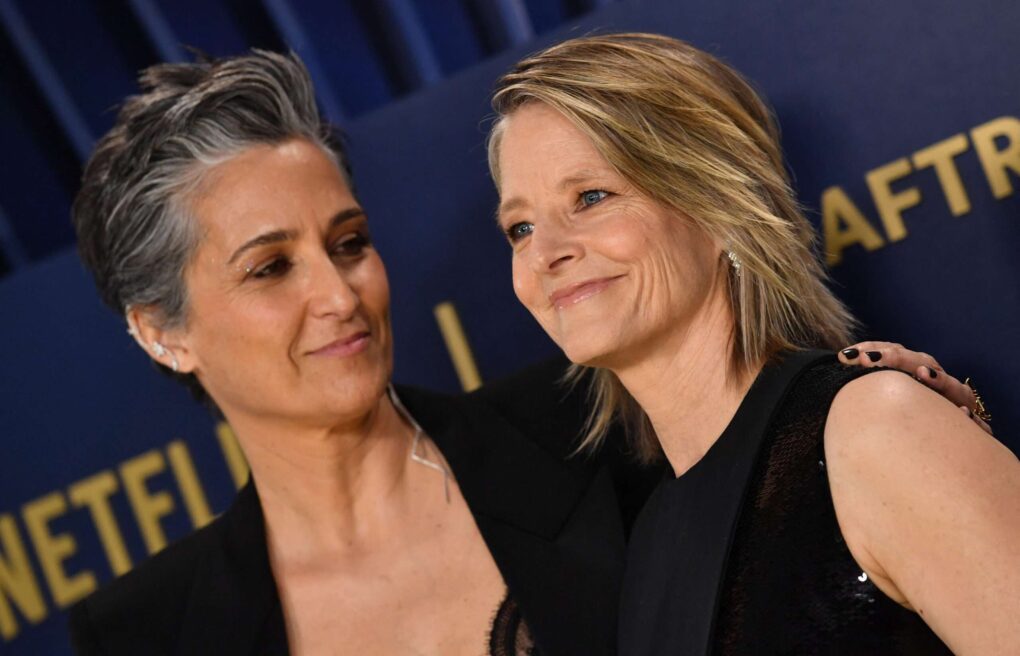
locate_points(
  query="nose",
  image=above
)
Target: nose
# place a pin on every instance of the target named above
(553, 246)
(329, 290)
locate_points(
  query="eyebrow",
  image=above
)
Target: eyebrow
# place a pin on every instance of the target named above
(277, 236)
(509, 206)
(581, 176)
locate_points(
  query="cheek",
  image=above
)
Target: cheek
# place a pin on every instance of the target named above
(684, 267)
(230, 320)
(628, 245)
(525, 285)
(627, 235)
(374, 285)
(242, 345)
(248, 329)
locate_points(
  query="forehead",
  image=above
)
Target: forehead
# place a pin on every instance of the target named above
(269, 184)
(540, 142)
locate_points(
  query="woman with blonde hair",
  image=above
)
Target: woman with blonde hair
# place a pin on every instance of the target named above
(812, 509)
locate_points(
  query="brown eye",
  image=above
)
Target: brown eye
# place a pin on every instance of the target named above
(276, 267)
(352, 245)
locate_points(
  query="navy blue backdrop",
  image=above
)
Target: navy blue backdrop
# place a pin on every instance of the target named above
(901, 121)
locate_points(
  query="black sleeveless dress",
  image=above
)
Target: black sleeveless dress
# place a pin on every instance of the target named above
(742, 554)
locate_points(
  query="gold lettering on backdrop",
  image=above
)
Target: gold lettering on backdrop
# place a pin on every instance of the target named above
(941, 156)
(892, 204)
(997, 144)
(457, 345)
(232, 453)
(844, 225)
(997, 162)
(148, 508)
(191, 490)
(19, 586)
(53, 550)
(17, 582)
(94, 493)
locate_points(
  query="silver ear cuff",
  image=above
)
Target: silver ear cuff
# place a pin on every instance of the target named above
(734, 261)
(161, 351)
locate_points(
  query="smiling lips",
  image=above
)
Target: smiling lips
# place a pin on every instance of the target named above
(573, 294)
(345, 346)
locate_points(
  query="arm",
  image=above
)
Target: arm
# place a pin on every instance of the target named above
(929, 505)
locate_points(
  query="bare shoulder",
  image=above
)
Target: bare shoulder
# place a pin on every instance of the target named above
(889, 438)
(887, 419)
(929, 505)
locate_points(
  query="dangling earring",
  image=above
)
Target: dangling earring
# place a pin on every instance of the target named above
(162, 351)
(734, 261)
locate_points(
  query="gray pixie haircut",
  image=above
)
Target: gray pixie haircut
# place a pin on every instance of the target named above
(135, 232)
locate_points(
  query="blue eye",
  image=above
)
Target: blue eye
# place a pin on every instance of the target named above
(592, 196)
(519, 231)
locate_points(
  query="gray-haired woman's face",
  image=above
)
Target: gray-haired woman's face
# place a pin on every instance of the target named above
(608, 272)
(288, 300)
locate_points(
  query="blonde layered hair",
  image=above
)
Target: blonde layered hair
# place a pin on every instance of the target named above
(690, 133)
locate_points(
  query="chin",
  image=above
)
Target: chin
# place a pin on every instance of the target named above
(353, 397)
(587, 334)
(354, 384)
(587, 352)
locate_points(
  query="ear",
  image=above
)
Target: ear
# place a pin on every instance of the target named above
(166, 346)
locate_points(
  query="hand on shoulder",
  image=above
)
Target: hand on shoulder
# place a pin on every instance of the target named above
(929, 505)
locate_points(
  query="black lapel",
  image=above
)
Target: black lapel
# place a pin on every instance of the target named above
(553, 527)
(504, 475)
(233, 607)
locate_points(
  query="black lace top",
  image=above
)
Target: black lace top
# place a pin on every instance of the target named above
(743, 555)
(510, 635)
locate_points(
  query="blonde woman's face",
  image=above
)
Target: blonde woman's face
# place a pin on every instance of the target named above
(609, 273)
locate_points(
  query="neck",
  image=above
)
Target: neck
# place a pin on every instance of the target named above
(686, 386)
(339, 487)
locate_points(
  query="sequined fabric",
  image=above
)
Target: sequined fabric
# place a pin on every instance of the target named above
(792, 586)
(742, 553)
(510, 635)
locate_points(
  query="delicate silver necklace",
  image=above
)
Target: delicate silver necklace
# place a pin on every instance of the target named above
(415, 455)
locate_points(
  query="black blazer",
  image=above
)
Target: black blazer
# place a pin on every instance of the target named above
(556, 528)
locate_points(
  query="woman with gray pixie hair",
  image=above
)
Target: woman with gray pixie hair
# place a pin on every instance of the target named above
(812, 509)
(218, 217)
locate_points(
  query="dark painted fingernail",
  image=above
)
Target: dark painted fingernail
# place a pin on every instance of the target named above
(874, 356)
(932, 373)
(850, 353)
